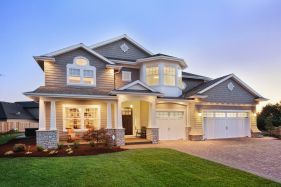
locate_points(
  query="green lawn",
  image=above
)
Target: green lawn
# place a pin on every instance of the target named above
(142, 167)
(4, 138)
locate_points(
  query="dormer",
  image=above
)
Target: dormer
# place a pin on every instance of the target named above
(163, 73)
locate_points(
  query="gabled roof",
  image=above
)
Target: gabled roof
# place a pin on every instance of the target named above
(124, 36)
(80, 45)
(202, 88)
(137, 87)
(195, 76)
(13, 111)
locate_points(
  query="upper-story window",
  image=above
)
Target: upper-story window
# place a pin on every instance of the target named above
(126, 76)
(152, 74)
(81, 73)
(169, 75)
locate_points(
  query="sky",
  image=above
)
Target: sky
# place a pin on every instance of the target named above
(215, 37)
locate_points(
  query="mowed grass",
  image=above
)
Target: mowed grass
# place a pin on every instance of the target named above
(141, 167)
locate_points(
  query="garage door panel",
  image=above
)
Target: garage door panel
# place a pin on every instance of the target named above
(223, 124)
(171, 125)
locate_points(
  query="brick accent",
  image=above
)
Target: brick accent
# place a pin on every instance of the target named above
(195, 137)
(152, 134)
(47, 138)
(119, 137)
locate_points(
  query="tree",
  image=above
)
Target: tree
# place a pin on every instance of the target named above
(272, 113)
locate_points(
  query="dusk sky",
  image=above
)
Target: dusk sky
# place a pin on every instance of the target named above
(214, 37)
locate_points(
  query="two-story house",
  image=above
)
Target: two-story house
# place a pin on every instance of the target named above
(121, 86)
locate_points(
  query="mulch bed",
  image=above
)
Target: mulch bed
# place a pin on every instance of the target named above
(82, 150)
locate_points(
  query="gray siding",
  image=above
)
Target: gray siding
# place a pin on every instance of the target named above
(135, 75)
(113, 50)
(55, 73)
(222, 94)
(191, 83)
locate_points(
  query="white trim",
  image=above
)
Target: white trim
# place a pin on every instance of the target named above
(124, 36)
(50, 59)
(228, 77)
(198, 96)
(225, 104)
(124, 62)
(181, 61)
(78, 96)
(70, 48)
(81, 116)
(136, 93)
(196, 77)
(116, 67)
(135, 83)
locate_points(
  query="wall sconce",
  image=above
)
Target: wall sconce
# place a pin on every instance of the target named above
(255, 114)
(200, 114)
(131, 106)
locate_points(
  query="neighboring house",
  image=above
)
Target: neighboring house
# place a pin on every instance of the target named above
(18, 115)
(121, 86)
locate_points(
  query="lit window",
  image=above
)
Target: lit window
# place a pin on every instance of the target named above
(152, 75)
(231, 115)
(81, 117)
(219, 114)
(165, 115)
(169, 75)
(242, 115)
(81, 73)
(208, 114)
(126, 76)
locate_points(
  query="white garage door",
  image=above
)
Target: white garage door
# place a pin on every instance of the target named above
(226, 124)
(171, 125)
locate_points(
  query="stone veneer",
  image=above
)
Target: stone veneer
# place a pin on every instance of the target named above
(119, 137)
(47, 138)
(195, 137)
(152, 134)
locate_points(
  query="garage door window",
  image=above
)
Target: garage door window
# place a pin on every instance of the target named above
(231, 115)
(242, 114)
(174, 115)
(220, 115)
(225, 114)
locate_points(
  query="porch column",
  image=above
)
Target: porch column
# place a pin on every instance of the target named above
(42, 120)
(152, 131)
(109, 116)
(53, 125)
(119, 115)
(115, 115)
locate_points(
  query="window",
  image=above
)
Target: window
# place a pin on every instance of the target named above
(169, 75)
(173, 115)
(242, 115)
(81, 117)
(208, 114)
(220, 115)
(231, 115)
(81, 73)
(180, 82)
(126, 76)
(152, 75)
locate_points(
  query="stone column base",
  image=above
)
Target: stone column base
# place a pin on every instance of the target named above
(119, 137)
(256, 135)
(187, 132)
(47, 138)
(152, 134)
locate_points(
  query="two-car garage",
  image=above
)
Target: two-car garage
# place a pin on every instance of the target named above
(226, 124)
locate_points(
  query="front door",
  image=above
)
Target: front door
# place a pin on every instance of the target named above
(127, 120)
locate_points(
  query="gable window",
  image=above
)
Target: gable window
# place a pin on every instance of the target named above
(81, 73)
(126, 76)
(152, 75)
(81, 117)
(169, 75)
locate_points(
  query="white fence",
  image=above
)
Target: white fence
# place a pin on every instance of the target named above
(20, 126)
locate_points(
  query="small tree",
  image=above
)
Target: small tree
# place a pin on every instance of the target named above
(268, 124)
(273, 110)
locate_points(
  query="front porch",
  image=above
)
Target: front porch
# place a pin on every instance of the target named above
(123, 117)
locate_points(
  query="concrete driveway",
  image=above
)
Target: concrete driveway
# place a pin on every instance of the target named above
(260, 156)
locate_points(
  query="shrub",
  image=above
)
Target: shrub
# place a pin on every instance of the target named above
(92, 143)
(19, 147)
(60, 146)
(39, 148)
(76, 144)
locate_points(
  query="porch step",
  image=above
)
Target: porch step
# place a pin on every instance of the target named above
(136, 141)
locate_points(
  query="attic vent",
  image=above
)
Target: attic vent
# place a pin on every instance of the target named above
(124, 47)
(230, 86)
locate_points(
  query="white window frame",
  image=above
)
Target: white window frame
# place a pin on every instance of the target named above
(170, 76)
(81, 68)
(159, 74)
(126, 76)
(82, 118)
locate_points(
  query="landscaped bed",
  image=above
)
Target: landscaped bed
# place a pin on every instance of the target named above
(64, 150)
(140, 167)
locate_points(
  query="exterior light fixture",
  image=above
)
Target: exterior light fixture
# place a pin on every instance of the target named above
(255, 114)
(200, 114)
(131, 106)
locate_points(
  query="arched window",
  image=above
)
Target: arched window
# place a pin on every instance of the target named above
(80, 73)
